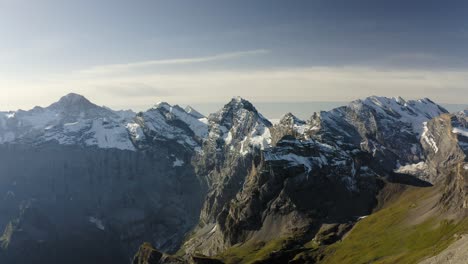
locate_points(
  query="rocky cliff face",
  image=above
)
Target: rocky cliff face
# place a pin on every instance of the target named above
(445, 141)
(235, 133)
(77, 172)
(325, 170)
(296, 187)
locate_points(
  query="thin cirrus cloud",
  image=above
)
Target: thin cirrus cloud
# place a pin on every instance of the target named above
(116, 68)
(132, 86)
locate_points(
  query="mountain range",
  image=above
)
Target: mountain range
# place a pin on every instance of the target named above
(380, 180)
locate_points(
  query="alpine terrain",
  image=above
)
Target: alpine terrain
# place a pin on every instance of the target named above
(380, 180)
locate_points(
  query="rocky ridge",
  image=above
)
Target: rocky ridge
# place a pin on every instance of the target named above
(151, 176)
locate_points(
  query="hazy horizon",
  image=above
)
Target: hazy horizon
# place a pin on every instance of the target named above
(271, 110)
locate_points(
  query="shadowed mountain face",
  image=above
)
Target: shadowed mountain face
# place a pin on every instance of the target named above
(76, 176)
(92, 174)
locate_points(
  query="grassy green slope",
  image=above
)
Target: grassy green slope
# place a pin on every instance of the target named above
(406, 231)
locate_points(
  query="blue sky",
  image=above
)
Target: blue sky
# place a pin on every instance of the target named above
(134, 53)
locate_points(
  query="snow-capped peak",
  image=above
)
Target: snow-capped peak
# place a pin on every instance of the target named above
(73, 120)
(414, 112)
(235, 109)
(241, 127)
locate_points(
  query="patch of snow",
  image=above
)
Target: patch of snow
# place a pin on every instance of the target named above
(135, 131)
(177, 163)
(97, 222)
(108, 135)
(75, 127)
(204, 120)
(460, 131)
(426, 136)
(261, 136)
(213, 229)
(228, 138)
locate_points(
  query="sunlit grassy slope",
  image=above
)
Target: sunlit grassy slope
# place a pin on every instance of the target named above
(403, 232)
(407, 230)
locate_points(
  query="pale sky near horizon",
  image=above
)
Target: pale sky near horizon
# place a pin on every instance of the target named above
(132, 54)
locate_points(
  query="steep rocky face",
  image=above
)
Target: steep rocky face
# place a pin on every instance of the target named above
(313, 173)
(236, 133)
(289, 124)
(445, 142)
(389, 128)
(296, 187)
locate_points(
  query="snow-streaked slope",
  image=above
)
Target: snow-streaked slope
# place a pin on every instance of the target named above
(379, 112)
(197, 125)
(164, 122)
(413, 112)
(74, 120)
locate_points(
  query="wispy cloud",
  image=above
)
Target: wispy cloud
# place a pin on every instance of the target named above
(140, 91)
(115, 68)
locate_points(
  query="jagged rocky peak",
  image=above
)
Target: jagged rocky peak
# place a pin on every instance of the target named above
(237, 108)
(291, 119)
(291, 125)
(236, 134)
(241, 126)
